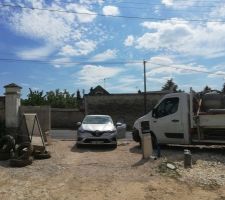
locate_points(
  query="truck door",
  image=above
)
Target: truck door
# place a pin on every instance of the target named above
(166, 121)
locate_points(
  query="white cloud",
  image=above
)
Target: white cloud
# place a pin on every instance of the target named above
(135, 64)
(56, 29)
(87, 16)
(91, 75)
(92, 1)
(80, 48)
(167, 2)
(164, 66)
(62, 62)
(178, 4)
(217, 74)
(157, 80)
(42, 25)
(126, 83)
(106, 55)
(184, 38)
(36, 53)
(129, 40)
(129, 79)
(111, 10)
(218, 11)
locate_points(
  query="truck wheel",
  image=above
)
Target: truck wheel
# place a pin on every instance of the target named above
(136, 136)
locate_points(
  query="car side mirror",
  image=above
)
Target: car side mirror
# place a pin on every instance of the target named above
(78, 124)
(118, 124)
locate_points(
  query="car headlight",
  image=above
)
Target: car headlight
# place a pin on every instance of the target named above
(109, 132)
(114, 131)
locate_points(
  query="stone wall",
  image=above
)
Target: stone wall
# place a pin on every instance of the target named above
(126, 107)
(65, 118)
(43, 113)
(2, 109)
(54, 118)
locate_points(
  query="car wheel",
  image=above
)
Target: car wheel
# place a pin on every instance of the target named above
(78, 145)
(114, 146)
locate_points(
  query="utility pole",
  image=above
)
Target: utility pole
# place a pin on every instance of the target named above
(145, 106)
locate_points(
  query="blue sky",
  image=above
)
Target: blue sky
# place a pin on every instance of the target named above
(95, 42)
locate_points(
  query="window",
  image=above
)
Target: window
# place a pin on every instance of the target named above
(166, 107)
(94, 119)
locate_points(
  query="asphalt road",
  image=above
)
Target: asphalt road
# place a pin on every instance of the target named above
(72, 134)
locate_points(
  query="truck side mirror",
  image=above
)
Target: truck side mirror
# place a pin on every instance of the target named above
(154, 113)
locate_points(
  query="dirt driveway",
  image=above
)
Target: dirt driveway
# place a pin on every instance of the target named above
(100, 173)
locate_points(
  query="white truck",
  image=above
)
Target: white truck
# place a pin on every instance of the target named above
(182, 118)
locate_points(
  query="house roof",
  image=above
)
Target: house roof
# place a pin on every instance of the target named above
(99, 90)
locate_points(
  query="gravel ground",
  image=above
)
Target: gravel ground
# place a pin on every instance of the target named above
(104, 173)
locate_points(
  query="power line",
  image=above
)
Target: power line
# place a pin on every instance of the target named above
(181, 68)
(162, 6)
(155, 4)
(67, 62)
(183, 4)
(165, 9)
(110, 63)
(114, 16)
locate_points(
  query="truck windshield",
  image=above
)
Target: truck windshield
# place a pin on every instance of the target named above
(97, 120)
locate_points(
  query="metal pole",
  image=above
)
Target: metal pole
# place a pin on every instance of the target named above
(145, 106)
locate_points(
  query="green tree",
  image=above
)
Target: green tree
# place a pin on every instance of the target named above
(206, 89)
(223, 89)
(56, 99)
(59, 99)
(34, 98)
(78, 95)
(170, 85)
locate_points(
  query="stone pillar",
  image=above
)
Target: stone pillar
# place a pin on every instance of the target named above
(12, 104)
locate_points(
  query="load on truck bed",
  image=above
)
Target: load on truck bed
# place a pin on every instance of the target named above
(185, 118)
(208, 116)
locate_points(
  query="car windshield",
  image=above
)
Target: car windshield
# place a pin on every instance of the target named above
(97, 120)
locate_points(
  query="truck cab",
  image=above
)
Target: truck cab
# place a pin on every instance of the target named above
(168, 121)
(185, 118)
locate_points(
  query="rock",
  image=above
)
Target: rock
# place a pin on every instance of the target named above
(170, 166)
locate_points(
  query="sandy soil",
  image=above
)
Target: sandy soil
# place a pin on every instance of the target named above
(103, 173)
